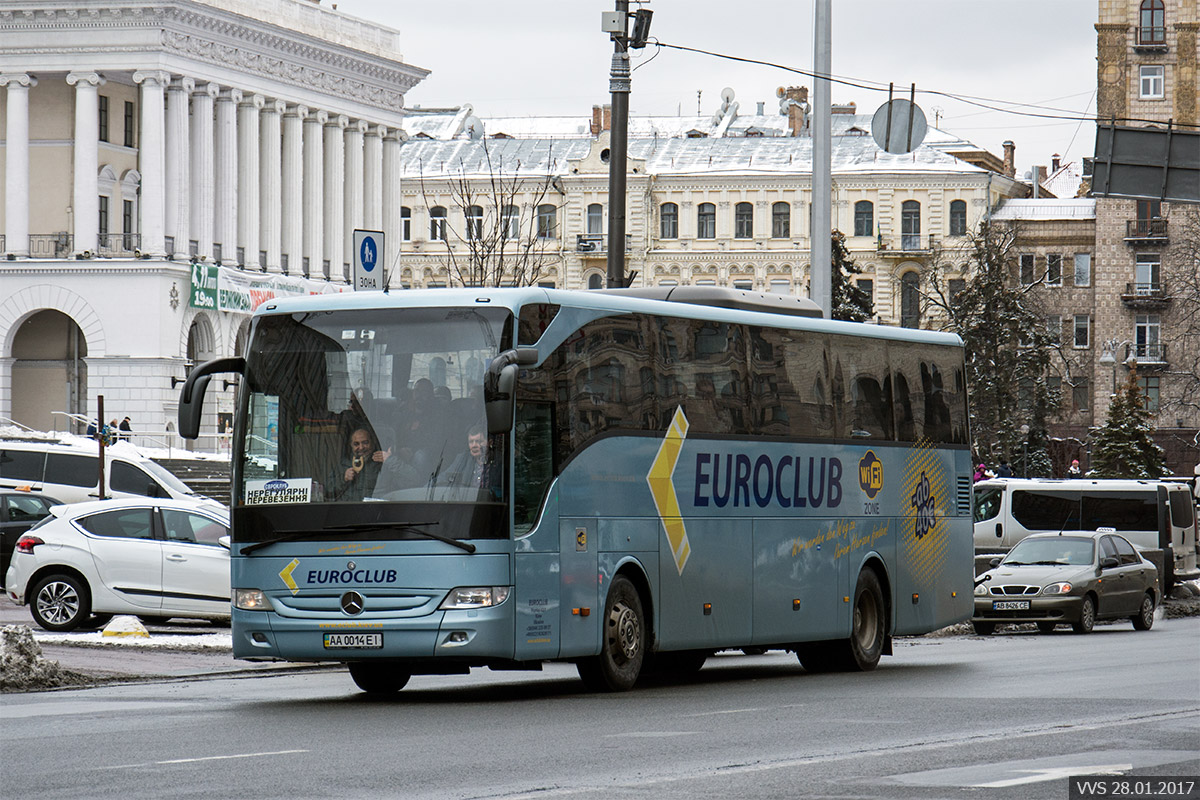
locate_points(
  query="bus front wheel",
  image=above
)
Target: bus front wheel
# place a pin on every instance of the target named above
(623, 642)
(377, 677)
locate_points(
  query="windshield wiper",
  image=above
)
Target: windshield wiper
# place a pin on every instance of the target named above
(416, 527)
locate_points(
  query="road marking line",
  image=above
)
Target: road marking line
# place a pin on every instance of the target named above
(206, 758)
(1055, 773)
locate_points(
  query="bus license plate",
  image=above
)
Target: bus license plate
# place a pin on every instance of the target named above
(353, 641)
(1007, 605)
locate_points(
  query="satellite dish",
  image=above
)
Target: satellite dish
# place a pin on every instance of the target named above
(727, 94)
(899, 126)
(473, 126)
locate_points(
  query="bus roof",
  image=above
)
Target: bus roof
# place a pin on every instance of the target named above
(720, 305)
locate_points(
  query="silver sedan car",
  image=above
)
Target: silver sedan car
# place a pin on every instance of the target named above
(1074, 578)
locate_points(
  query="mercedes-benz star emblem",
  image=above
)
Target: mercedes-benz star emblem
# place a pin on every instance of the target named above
(350, 565)
(352, 603)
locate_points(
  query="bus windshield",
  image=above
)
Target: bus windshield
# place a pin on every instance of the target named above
(349, 407)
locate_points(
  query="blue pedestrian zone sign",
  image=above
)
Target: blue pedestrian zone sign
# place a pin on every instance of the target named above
(368, 255)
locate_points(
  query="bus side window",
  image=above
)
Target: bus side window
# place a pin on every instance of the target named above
(534, 465)
(865, 410)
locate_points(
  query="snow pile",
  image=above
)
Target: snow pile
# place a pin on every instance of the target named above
(181, 642)
(22, 667)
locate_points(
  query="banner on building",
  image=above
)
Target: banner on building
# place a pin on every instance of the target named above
(217, 288)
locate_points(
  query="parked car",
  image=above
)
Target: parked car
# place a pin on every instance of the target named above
(19, 511)
(71, 472)
(153, 558)
(1077, 578)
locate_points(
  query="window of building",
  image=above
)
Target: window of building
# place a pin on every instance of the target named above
(864, 218)
(474, 222)
(1081, 395)
(1054, 269)
(743, 221)
(595, 219)
(405, 224)
(1148, 210)
(1152, 81)
(1147, 271)
(127, 217)
(910, 225)
(1054, 327)
(1148, 337)
(1149, 386)
(103, 221)
(910, 300)
(781, 220)
(955, 287)
(1083, 331)
(780, 286)
(668, 218)
(547, 221)
(706, 221)
(1083, 269)
(1026, 262)
(103, 118)
(510, 220)
(595, 281)
(437, 224)
(1152, 24)
(744, 284)
(868, 287)
(129, 140)
(958, 218)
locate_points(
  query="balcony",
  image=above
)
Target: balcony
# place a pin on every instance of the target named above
(118, 245)
(910, 244)
(1149, 296)
(596, 244)
(50, 245)
(1151, 39)
(1151, 356)
(1146, 231)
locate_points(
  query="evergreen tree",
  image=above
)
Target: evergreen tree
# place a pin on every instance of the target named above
(1124, 447)
(1008, 347)
(848, 300)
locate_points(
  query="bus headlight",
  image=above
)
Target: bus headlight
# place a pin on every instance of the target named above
(250, 600)
(475, 597)
(1057, 588)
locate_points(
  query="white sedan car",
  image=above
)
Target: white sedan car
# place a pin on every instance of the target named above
(152, 557)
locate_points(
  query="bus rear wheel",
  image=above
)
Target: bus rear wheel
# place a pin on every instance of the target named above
(623, 642)
(868, 632)
(377, 677)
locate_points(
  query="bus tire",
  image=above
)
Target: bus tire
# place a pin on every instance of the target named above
(868, 630)
(378, 677)
(817, 657)
(623, 642)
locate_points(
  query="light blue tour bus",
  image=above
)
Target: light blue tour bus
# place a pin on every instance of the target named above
(629, 480)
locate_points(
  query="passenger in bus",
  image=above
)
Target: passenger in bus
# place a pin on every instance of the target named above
(472, 469)
(356, 474)
(422, 431)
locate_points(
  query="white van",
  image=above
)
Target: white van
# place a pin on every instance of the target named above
(70, 472)
(1150, 514)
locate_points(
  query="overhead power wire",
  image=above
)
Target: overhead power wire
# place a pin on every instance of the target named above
(980, 102)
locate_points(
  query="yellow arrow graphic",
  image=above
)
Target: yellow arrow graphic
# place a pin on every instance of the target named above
(662, 488)
(286, 575)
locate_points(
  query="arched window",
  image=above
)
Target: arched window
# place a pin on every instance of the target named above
(547, 221)
(910, 300)
(706, 221)
(1152, 25)
(474, 222)
(668, 217)
(595, 219)
(910, 225)
(864, 218)
(595, 281)
(437, 224)
(781, 220)
(405, 224)
(743, 221)
(958, 218)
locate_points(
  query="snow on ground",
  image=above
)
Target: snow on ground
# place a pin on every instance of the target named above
(129, 448)
(194, 642)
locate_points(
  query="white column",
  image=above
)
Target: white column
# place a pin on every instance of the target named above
(16, 163)
(269, 175)
(226, 174)
(178, 213)
(85, 204)
(202, 166)
(353, 187)
(335, 154)
(392, 200)
(293, 187)
(373, 178)
(248, 178)
(314, 192)
(151, 161)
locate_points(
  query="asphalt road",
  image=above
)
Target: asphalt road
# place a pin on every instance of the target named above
(961, 717)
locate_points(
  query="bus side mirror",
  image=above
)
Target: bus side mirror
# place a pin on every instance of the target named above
(191, 396)
(500, 386)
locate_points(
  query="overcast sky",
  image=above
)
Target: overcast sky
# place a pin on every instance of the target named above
(549, 57)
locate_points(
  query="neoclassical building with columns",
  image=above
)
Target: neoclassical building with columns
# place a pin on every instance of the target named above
(150, 148)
